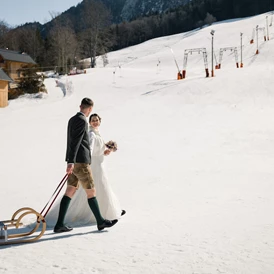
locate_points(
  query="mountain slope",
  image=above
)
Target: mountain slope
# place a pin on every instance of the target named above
(194, 166)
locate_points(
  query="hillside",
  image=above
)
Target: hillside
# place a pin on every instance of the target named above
(194, 166)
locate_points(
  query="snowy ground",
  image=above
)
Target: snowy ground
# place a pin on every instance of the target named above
(194, 168)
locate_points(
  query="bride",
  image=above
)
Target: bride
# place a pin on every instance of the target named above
(108, 203)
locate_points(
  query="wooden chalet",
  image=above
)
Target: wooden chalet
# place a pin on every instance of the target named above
(4, 88)
(10, 62)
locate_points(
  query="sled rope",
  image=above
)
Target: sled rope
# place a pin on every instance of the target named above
(56, 193)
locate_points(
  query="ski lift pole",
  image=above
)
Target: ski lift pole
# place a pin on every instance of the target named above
(241, 64)
(257, 38)
(179, 75)
(267, 32)
(217, 66)
(114, 72)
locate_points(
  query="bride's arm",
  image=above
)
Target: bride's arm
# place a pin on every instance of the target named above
(91, 141)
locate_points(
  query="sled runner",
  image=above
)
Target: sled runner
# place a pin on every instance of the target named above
(15, 222)
(13, 232)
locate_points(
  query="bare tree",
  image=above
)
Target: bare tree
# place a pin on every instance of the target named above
(4, 29)
(96, 40)
(26, 38)
(31, 41)
(12, 40)
(64, 45)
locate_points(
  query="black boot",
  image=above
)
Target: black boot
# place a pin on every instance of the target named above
(107, 223)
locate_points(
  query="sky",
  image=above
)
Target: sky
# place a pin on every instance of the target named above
(17, 12)
(193, 169)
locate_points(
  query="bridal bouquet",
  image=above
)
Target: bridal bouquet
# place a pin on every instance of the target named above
(111, 145)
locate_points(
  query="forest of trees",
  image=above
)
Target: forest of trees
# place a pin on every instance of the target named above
(72, 36)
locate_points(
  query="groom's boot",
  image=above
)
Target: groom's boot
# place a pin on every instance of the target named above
(60, 227)
(101, 222)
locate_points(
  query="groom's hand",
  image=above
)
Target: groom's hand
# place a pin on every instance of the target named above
(70, 168)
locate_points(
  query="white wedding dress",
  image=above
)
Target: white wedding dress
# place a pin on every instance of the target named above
(79, 212)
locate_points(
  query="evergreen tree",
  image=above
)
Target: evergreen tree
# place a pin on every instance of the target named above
(30, 81)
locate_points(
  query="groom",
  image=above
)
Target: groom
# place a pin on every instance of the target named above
(78, 159)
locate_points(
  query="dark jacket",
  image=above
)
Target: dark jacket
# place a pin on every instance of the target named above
(78, 147)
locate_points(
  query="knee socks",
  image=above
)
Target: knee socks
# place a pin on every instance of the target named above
(63, 210)
(93, 204)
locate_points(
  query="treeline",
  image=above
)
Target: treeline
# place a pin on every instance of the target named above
(67, 41)
(195, 14)
(71, 37)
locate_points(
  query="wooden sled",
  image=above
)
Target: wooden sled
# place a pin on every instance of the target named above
(15, 222)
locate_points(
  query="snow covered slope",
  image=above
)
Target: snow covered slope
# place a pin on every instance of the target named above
(194, 166)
